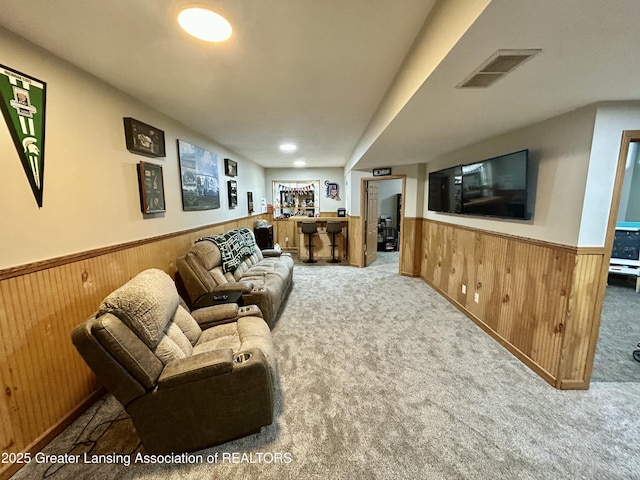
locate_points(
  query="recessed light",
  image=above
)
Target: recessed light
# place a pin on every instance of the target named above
(205, 24)
(288, 147)
(299, 163)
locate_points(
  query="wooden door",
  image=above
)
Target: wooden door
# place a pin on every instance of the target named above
(371, 224)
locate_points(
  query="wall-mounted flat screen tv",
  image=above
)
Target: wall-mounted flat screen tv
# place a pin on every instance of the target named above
(445, 190)
(494, 187)
(497, 186)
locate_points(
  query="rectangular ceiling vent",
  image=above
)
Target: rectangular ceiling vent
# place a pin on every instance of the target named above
(497, 66)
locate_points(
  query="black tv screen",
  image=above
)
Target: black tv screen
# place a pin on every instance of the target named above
(445, 190)
(496, 186)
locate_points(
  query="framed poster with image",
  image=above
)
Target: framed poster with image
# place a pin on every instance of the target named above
(151, 185)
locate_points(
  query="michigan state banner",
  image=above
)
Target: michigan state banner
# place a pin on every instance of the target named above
(23, 102)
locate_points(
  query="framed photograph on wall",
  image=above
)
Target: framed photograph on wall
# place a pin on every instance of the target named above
(143, 139)
(198, 177)
(151, 184)
(230, 168)
(250, 202)
(232, 186)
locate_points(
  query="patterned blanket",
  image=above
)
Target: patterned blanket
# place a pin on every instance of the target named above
(235, 246)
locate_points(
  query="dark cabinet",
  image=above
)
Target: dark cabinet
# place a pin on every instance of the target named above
(264, 236)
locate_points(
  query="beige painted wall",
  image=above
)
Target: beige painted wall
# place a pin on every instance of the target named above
(559, 152)
(612, 118)
(414, 188)
(91, 195)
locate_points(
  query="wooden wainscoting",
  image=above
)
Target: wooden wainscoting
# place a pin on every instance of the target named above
(355, 253)
(284, 234)
(537, 299)
(410, 235)
(46, 383)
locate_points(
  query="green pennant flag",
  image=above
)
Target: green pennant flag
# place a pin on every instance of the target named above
(23, 102)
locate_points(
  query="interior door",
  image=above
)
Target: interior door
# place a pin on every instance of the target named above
(371, 225)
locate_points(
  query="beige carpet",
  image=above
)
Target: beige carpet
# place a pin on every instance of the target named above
(381, 378)
(619, 334)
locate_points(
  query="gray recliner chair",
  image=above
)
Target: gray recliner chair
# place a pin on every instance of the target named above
(184, 388)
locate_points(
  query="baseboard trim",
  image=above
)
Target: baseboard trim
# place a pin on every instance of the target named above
(39, 443)
(572, 385)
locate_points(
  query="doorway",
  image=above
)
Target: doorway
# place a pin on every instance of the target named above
(382, 212)
(619, 332)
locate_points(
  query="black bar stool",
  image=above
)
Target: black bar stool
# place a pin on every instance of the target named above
(310, 228)
(334, 228)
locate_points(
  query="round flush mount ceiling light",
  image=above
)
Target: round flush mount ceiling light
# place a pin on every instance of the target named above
(288, 147)
(205, 24)
(299, 163)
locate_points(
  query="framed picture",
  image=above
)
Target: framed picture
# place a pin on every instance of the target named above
(230, 168)
(198, 177)
(250, 202)
(151, 184)
(143, 139)
(233, 193)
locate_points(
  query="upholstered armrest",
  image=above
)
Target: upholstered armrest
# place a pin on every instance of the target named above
(242, 287)
(215, 315)
(196, 367)
(271, 252)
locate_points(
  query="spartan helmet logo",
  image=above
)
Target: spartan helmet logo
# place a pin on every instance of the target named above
(30, 147)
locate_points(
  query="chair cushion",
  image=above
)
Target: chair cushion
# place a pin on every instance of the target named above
(187, 324)
(146, 304)
(149, 305)
(208, 254)
(173, 345)
(247, 333)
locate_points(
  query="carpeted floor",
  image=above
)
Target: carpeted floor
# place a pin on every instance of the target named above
(381, 378)
(619, 334)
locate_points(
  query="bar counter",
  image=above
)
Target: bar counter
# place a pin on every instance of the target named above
(321, 240)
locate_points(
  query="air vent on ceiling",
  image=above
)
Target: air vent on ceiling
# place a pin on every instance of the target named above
(496, 66)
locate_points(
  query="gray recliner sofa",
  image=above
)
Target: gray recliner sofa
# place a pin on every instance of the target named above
(232, 262)
(184, 388)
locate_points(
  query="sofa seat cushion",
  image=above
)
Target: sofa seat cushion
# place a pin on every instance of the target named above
(221, 336)
(272, 284)
(246, 334)
(264, 269)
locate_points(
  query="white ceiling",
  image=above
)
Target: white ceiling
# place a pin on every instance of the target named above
(316, 71)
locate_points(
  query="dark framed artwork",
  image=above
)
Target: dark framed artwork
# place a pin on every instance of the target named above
(233, 193)
(230, 168)
(198, 177)
(143, 139)
(250, 202)
(151, 184)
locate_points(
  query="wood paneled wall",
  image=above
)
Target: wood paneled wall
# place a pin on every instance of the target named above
(45, 382)
(539, 300)
(410, 236)
(355, 243)
(410, 249)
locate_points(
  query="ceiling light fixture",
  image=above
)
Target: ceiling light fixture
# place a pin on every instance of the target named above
(288, 147)
(205, 24)
(299, 163)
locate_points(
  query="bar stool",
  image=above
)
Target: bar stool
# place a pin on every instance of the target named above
(309, 228)
(334, 228)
